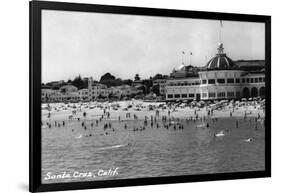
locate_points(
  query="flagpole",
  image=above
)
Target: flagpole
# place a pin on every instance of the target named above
(220, 31)
(220, 35)
(182, 58)
(190, 54)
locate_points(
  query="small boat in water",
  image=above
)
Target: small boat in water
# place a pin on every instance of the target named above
(248, 140)
(79, 136)
(220, 134)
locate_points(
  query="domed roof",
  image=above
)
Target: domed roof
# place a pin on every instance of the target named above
(181, 67)
(221, 61)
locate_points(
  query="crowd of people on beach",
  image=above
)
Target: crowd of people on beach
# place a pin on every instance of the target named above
(166, 120)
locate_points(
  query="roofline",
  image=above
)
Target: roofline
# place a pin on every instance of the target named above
(217, 69)
(195, 77)
(248, 60)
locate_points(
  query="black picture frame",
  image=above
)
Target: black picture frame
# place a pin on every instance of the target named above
(36, 7)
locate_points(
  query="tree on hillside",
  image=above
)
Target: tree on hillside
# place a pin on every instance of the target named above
(128, 82)
(79, 83)
(156, 89)
(158, 76)
(110, 80)
(137, 77)
(147, 84)
(107, 77)
(58, 86)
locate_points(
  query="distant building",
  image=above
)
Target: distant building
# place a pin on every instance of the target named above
(221, 78)
(185, 71)
(84, 94)
(183, 88)
(67, 93)
(68, 89)
(250, 65)
(71, 97)
(137, 83)
(162, 86)
(124, 90)
(97, 90)
(49, 95)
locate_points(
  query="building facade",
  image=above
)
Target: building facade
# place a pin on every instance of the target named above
(66, 93)
(84, 94)
(162, 86)
(96, 90)
(221, 78)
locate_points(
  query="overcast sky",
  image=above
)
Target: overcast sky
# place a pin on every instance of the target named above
(91, 44)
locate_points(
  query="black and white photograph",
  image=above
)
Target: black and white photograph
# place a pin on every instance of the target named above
(128, 96)
(140, 96)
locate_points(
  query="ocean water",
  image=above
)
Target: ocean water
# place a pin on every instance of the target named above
(71, 150)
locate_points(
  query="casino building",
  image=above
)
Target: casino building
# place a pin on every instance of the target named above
(221, 78)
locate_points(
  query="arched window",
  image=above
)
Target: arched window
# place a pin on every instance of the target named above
(246, 92)
(254, 92)
(262, 91)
